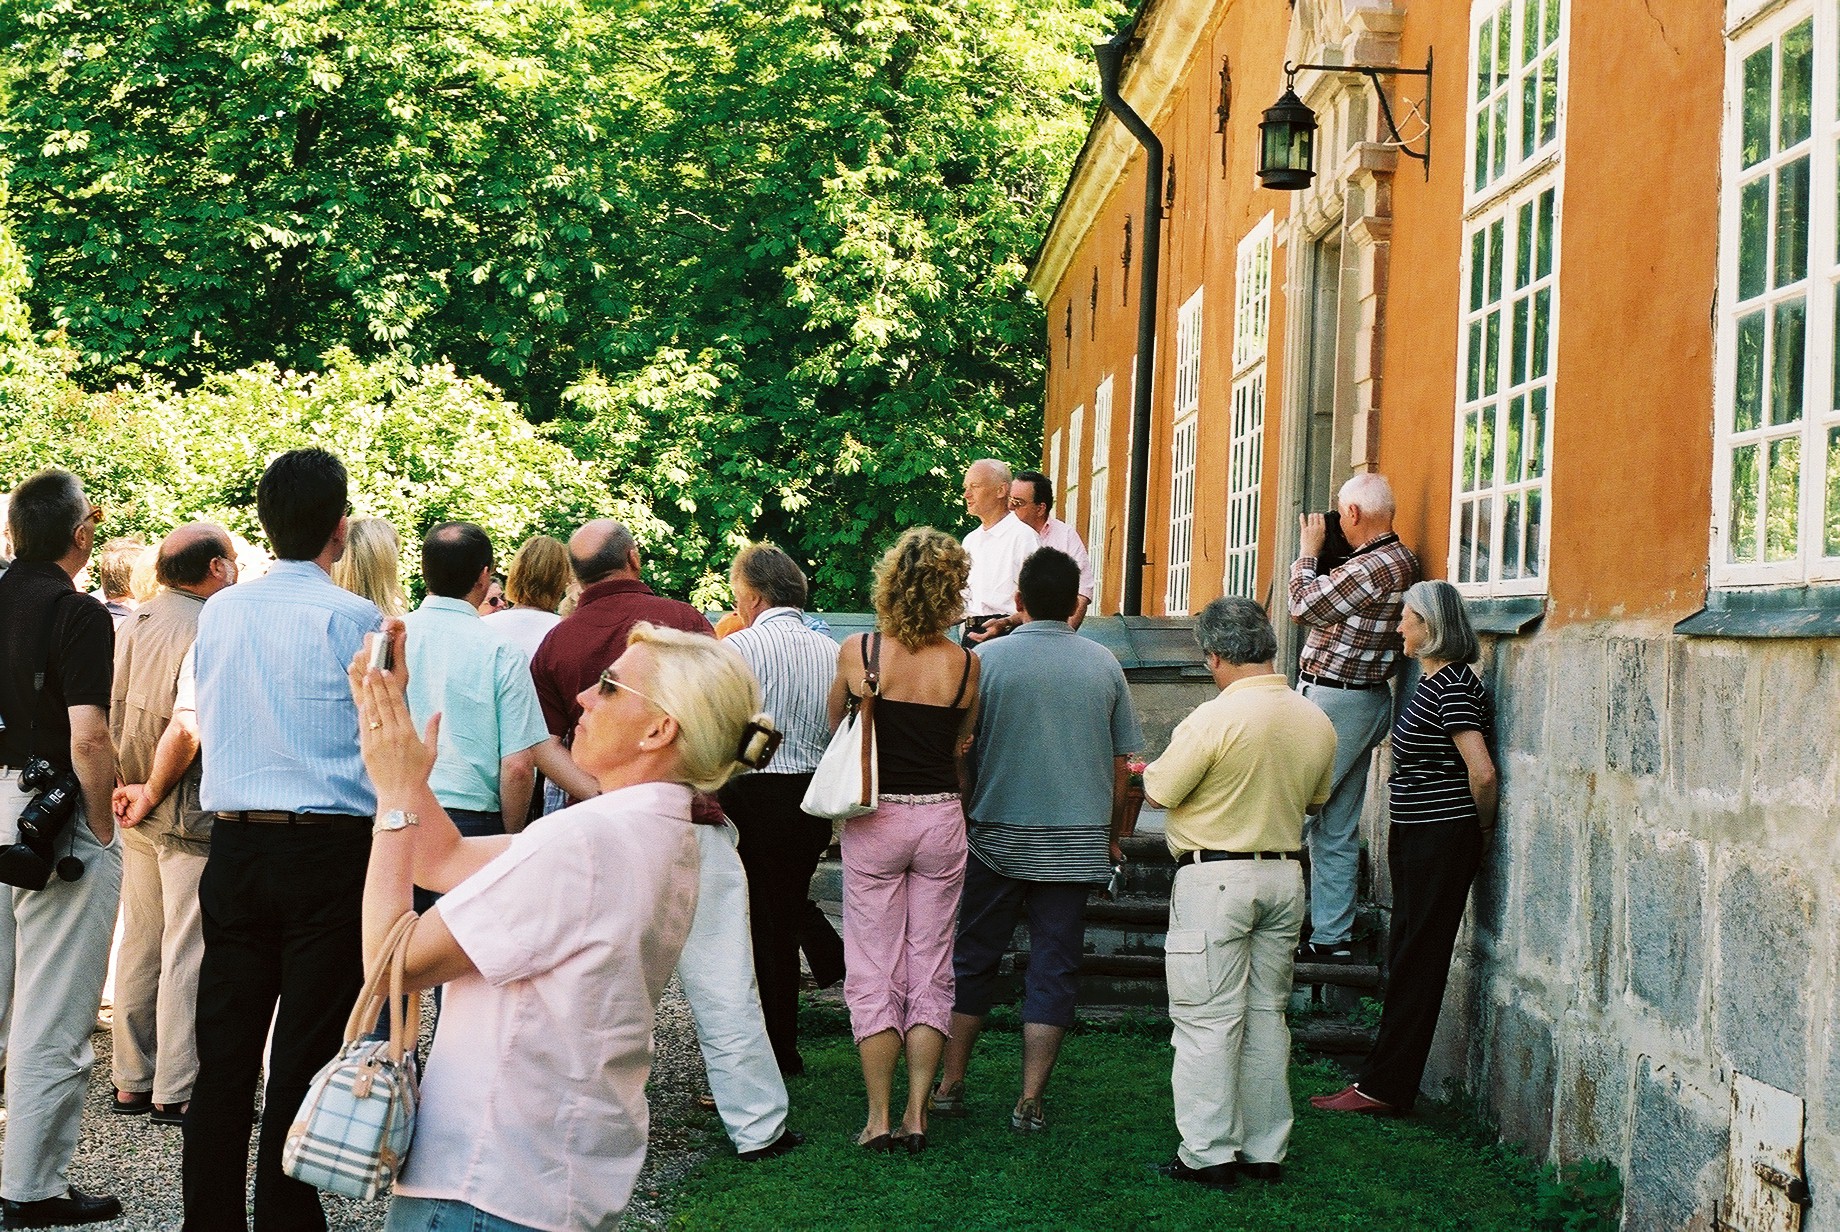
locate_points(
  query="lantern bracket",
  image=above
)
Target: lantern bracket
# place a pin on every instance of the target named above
(1373, 73)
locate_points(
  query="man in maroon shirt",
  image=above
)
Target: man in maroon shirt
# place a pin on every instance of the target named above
(613, 600)
(717, 966)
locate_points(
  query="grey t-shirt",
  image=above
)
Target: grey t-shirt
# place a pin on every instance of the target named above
(1054, 710)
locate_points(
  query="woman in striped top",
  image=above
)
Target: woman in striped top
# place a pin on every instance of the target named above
(1443, 796)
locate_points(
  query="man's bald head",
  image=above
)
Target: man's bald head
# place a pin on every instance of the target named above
(186, 555)
(602, 549)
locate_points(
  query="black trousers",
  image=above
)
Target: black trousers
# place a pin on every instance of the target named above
(780, 849)
(1433, 864)
(282, 924)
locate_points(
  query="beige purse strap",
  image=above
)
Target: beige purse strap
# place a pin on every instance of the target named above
(403, 1027)
(370, 1000)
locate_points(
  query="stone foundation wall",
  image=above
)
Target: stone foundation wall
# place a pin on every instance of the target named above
(1660, 908)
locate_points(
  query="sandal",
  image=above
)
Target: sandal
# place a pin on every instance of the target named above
(170, 1114)
(948, 1101)
(1028, 1116)
(142, 1102)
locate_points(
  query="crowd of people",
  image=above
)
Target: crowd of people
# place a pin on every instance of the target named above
(583, 790)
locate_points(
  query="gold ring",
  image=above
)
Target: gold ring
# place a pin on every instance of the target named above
(375, 725)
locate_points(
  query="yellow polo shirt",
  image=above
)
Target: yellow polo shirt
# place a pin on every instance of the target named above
(1240, 771)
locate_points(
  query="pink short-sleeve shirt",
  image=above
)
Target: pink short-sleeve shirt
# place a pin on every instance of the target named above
(533, 1108)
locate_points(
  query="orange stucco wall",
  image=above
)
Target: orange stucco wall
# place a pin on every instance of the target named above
(1630, 497)
(1216, 204)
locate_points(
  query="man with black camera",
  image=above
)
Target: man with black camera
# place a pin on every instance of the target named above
(282, 891)
(58, 853)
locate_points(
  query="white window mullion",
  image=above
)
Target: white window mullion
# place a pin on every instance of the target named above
(1097, 489)
(1182, 455)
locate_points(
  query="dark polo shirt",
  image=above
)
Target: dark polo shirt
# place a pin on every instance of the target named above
(578, 650)
(47, 627)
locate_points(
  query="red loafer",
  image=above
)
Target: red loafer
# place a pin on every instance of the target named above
(1349, 1099)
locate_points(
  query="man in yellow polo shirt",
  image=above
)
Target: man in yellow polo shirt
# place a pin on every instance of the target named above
(1238, 777)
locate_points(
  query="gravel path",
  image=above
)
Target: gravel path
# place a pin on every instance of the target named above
(139, 1162)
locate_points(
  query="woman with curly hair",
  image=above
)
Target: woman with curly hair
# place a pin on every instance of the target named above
(904, 864)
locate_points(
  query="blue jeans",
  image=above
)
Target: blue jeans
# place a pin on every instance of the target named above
(445, 1215)
(1361, 718)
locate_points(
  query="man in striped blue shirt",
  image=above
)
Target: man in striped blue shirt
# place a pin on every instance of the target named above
(282, 891)
(1055, 724)
(780, 844)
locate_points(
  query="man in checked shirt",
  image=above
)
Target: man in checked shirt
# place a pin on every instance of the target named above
(1352, 613)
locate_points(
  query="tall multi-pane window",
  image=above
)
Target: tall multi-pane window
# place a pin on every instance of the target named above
(1776, 472)
(1182, 455)
(1246, 454)
(1055, 472)
(1500, 523)
(1097, 486)
(1067, 495)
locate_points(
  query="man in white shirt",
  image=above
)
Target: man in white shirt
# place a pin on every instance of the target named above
(1031, 501)
(998, 546)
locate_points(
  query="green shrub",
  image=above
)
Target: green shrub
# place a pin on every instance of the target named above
(1583, 1197)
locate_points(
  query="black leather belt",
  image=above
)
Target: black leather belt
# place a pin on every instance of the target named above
(267, 817)
(1327, 683)
(1208, 857)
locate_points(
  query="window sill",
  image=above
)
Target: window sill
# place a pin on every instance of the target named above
(1779, 612)
(1506, 617)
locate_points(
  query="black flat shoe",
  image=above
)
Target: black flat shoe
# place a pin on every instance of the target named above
(916, 1143)
(1214, 1176)
(1271, 1174)
(168, 1114)
(787, 1140)
(130, 1107)
(74, 1207)
(881, 1144)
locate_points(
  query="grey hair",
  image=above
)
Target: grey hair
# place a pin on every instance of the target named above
(1237, 630)
(1370, 491)
(1449, 637)
(771, 574)
(44, 514)
(999, 471)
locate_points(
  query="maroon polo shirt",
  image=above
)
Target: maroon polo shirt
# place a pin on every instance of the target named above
(577, 651)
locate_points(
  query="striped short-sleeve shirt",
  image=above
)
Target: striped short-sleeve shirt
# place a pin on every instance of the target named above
(1430, 781)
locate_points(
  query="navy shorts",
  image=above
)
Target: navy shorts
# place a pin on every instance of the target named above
(987, 917)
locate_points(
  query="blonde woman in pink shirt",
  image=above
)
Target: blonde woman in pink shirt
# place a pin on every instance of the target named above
(554, 944)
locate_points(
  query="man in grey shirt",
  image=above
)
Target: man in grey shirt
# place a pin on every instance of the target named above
(1043, 830)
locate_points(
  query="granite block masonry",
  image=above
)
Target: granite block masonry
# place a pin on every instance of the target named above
(1660, 910)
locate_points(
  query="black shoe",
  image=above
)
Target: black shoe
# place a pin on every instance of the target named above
(168, 1114)
(1330, 952)
(881, 1144)
(74, 1207)
(916, 1143)
(787, 1140)
(1271, 1174)
(1214, 1176)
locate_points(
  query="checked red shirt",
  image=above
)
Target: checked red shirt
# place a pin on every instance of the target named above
(1353, 611)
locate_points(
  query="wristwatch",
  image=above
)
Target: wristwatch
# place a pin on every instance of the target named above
(395, 819)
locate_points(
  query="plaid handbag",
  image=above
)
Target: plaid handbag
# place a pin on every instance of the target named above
(353, 1130)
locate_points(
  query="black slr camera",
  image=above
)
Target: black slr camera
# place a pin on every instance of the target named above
(29, 862)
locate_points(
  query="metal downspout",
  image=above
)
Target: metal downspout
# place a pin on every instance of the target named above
(1111, 65)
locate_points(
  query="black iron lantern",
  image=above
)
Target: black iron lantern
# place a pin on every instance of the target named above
(1287, 143)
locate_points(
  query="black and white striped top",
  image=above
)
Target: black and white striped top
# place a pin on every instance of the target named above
(795, 666)
(1430, 781)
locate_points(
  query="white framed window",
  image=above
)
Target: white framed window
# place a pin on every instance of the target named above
(1501, 517)
(1776, 465)
(1516, 94)
(1054, 456)
(1246, 454)
(1097, 485)
(1067, 495)
(1182, 455)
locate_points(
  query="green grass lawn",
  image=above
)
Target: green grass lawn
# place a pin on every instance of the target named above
(1109, 1118)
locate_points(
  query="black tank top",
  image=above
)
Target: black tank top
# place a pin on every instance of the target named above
(915, 743)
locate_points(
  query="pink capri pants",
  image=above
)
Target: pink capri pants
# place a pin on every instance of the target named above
(903, 869)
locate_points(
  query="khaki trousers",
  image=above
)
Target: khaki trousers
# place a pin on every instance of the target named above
(156, 971)
(63, 933)
(1233, 929)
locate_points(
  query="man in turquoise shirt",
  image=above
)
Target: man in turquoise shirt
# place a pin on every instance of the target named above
(492, 731)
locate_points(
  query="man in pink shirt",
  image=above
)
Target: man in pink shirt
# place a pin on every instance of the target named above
(1031, 499)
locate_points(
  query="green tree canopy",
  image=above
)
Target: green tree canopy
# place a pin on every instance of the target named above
(763, 263)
